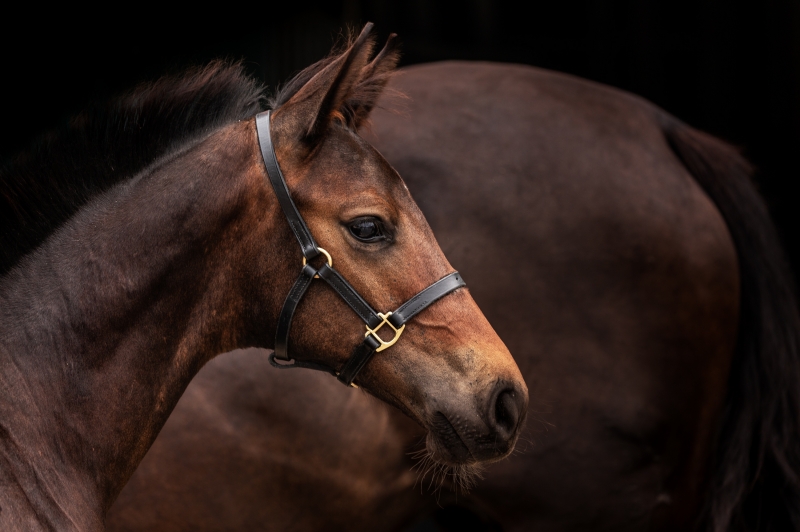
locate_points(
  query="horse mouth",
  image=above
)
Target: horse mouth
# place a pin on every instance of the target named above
(445, 442)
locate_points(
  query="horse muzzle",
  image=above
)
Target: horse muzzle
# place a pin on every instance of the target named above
(458, 434)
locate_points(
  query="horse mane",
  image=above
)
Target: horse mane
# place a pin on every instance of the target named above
(111, 142)
(754, 482)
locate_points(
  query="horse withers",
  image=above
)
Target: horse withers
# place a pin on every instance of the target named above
(151, 235)
(631, 267)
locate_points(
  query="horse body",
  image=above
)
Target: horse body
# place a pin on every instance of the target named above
(661, 332)
(603, 242)
(107, 318)
(604, 266)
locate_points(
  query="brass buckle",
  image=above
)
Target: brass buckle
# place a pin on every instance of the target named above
(374, 332)
(327, 255)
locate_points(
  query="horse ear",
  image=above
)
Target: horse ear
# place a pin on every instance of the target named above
(309, 112)
(373, 80)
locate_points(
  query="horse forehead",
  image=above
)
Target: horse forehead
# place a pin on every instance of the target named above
(352, 160)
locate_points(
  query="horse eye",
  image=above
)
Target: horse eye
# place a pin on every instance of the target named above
(367, 229)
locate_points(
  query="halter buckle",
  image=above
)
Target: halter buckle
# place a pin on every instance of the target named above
(374, 332)
(327, 256)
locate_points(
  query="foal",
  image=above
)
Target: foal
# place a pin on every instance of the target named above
(147, 239)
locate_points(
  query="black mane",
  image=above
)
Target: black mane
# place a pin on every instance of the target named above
(112, 142)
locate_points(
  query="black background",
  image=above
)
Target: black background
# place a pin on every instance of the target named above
(730, 68)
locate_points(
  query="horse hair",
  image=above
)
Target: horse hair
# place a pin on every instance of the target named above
(111, 142)
(755, 483)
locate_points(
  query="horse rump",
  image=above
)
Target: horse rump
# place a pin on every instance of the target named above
(754, 483)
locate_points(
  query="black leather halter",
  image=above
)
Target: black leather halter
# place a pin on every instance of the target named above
(375, 320)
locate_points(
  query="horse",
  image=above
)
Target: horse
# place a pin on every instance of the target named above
(632, 268)
(152, 235)
(661, 325)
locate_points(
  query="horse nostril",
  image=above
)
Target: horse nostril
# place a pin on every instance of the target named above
(506, 412)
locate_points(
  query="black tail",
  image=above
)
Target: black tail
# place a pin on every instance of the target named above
(755, 480)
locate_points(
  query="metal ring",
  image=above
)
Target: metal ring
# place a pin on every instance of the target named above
(327, 255)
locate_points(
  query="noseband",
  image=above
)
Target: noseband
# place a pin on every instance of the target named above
(372, 343)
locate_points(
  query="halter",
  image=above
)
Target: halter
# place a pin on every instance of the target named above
(372, 343)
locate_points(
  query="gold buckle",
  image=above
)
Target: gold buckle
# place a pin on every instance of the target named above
(374, 332)
(327, 255)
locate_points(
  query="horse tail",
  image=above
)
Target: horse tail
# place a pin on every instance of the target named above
(754, 482)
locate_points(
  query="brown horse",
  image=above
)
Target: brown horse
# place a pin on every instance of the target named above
(146, 239)
(631, 266)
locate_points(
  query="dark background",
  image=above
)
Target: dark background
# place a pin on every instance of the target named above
(730, 68)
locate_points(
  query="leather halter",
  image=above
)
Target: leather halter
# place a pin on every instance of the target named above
(374, 320)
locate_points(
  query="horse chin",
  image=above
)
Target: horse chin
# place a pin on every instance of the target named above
(438, 467)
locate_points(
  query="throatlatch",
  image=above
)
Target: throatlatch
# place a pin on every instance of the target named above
(395, 320)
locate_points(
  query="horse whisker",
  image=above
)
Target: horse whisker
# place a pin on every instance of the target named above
(458, 477)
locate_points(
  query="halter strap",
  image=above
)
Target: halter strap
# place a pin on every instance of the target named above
(374, 320)
(307, 243)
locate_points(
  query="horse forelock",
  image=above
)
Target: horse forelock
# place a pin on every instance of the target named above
(111, 142)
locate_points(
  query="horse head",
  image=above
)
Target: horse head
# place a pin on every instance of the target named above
(447, 368)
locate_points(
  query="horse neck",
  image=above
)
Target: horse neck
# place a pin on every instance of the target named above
(104, 325)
